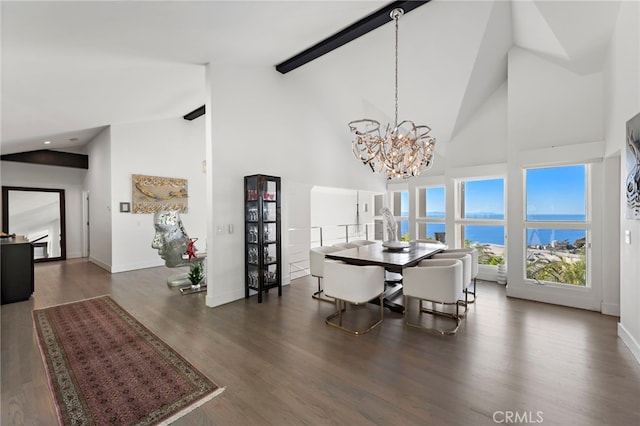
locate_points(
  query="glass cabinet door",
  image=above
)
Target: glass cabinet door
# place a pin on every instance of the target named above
(262, 235)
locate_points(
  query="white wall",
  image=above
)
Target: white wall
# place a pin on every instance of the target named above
(337, 211)
(262, 122)
(611, 233)
(622, 76)
(555, 117)
(170, 148)
(122, 241)
(483, 139)
(40, 176)
(325, 207)
(550, 105)
(296, 237)
(340, 206)
(98, 184)
(333, 206)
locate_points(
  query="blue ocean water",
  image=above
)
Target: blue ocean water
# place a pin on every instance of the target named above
(495, 234)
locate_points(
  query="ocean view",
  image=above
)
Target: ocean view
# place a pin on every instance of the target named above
(495, 234)
(552, 254)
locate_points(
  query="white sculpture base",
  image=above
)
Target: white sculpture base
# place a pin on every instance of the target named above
(396, 245)
(182, 279)
(191, 289)
(179, 280)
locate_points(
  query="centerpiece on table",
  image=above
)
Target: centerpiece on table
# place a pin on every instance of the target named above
(392, 242)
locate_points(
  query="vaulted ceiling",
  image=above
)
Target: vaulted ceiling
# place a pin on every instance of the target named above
(71, 68)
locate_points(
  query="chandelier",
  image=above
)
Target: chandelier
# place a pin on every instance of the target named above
(405, 150)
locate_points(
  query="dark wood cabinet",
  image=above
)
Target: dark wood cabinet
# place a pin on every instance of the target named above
(17, 270)
(262, 231)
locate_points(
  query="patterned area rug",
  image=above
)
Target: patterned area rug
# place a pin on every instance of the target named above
(105, 368)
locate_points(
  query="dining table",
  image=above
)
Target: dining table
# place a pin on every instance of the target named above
(393, 259)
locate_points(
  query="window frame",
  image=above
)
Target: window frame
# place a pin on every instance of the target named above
(421, 210)
(460, 222)
(396, 209)
(586, 225)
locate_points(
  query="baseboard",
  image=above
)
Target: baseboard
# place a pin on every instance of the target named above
(213, 300)
(136, 266)
(562, 299)
(74, 255)
(487, 273)
(100, 264)
(612, 309)
(629, 341)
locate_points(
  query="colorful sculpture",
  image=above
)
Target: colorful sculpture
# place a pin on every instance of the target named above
(174, 245)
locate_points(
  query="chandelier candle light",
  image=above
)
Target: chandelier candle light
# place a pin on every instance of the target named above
(405, 150)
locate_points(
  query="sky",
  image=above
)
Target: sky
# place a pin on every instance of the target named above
(435, 201)
(552, 190)
(484, 196)
(556, 190)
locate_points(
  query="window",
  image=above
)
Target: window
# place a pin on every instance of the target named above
(401, 213)
(480, 221)
(557, 225)
(430, 221)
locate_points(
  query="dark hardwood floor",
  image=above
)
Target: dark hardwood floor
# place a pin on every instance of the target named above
(281, 365)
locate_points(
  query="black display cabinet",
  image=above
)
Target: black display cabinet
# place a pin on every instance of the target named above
(262, 235)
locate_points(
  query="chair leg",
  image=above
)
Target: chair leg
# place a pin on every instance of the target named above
(318, 295)
(475, 289)
(466, 302)
(455, 317)
(342, 306)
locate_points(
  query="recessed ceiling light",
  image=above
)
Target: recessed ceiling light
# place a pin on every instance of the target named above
(47, 142)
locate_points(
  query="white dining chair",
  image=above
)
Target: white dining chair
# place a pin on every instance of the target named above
(467, 261)
(474, 268)
(316, 267)
(344, 246)
(354, 285)
(438, 281)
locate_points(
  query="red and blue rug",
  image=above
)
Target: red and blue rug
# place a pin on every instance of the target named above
(106, 368)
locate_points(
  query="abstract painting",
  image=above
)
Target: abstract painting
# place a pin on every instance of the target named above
(633, 168)
(154, 193)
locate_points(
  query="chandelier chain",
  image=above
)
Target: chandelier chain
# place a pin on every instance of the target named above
(404, 150)
(396, 18)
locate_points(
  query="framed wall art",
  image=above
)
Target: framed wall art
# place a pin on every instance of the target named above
(633, 168)
(155, 193)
